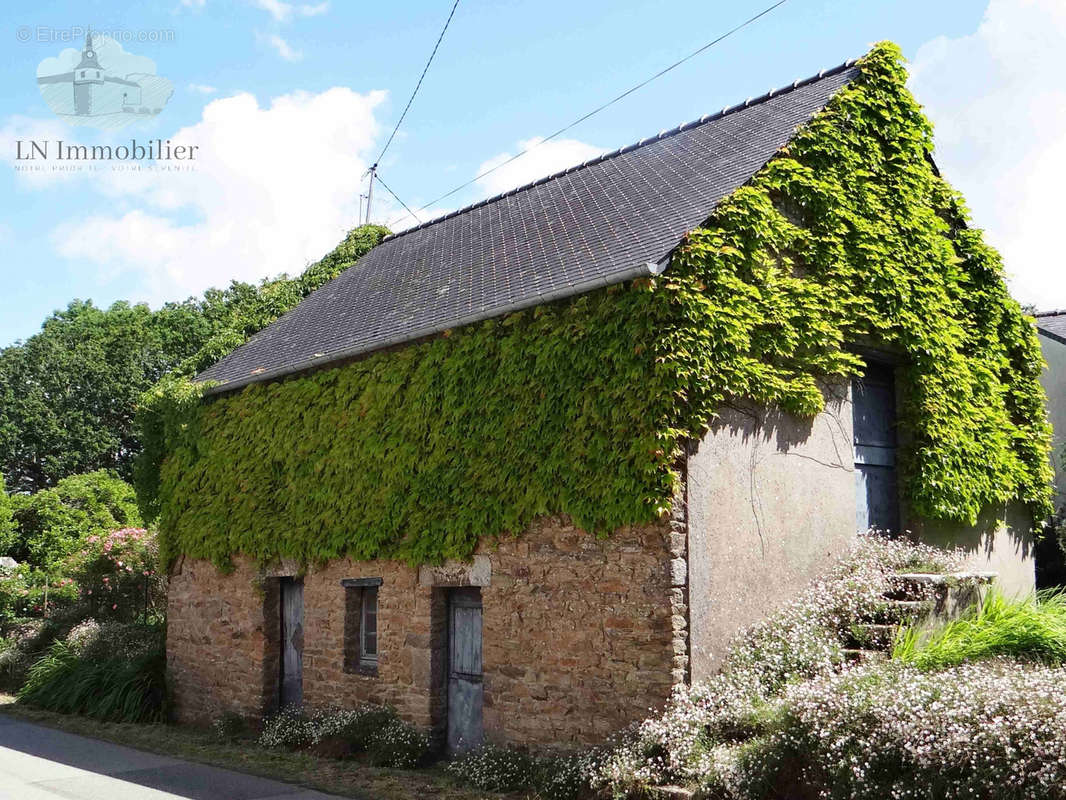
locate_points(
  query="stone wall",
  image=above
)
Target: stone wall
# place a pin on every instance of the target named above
(581, 635)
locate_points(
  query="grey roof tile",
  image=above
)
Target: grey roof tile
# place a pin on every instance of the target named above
(1052, 323)
(595, 224)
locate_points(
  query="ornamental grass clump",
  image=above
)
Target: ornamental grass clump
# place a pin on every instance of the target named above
(129, 685)
(1021, 628)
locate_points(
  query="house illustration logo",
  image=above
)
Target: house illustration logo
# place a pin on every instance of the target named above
(102, 86)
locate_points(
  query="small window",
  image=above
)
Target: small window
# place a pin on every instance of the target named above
(368, 627)
(361, 625)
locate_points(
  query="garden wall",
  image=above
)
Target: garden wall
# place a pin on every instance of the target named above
(582, 635)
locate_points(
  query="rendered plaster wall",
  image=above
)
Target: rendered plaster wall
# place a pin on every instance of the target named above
(771, 505)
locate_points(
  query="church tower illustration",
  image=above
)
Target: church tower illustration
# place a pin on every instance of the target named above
(87, 76)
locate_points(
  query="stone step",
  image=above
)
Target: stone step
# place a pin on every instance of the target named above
(669, 793)
(862, 656)
(873, 635)
(908, 610)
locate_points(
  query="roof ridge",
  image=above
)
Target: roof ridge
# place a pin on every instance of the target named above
(796, 84)
(1055, 312)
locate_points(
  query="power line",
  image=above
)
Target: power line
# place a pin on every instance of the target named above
(417, 85)
(597, 110)
(397, 199)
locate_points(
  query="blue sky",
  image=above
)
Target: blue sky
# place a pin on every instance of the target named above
(288, 103)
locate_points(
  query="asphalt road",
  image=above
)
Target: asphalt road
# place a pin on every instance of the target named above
(38, 763)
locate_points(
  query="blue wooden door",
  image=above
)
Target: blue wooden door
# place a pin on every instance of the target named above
(465, 687)
(874, 409)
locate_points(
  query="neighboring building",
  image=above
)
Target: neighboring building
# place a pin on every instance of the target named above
(554, 635)
(1051, 326)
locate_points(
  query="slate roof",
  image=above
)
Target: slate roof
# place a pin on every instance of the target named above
(603, 222)
(1052, 324)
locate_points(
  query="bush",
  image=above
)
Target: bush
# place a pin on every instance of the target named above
(358, 727)
(399, 745)
(229, 727)
(389, 741)
(494, 769)
(288, 728)
(52, 522)
(703, 725)
(116, 576)
(498, 769)
(1028, 628)
(114, 688)
(993, 729)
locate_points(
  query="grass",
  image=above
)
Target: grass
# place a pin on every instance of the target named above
(1031, 628)
(348, 778)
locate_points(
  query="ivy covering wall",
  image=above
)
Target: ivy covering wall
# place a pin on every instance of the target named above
(582, 407)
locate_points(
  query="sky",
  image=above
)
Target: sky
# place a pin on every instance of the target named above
(287, 103)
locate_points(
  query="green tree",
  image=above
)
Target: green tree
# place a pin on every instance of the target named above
(7, 521)
(53, 522)
(69, 393)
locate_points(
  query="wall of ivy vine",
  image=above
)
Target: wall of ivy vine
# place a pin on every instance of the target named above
(582, 407)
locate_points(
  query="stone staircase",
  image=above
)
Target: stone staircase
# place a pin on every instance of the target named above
(915, 597)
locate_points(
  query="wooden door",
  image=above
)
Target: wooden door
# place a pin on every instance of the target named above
(874, 414)
(465, 687)
(292, 642)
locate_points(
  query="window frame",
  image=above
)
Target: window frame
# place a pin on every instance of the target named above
(356, 658)
(366, 658)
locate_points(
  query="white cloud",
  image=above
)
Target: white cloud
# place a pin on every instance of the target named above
(274, 188)
(283, 12)
(998, 100)
(201, 88)
(23, 129)
(283, 48)
(558, 154)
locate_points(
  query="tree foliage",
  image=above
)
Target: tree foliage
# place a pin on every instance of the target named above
(7, 521)
(51, 524)
(582, 407)
(68, 394)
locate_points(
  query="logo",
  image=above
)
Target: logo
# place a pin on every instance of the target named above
(102, 86)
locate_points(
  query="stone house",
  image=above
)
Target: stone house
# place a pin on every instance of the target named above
(554, 635)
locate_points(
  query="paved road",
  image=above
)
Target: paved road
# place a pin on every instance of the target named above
(39, 763)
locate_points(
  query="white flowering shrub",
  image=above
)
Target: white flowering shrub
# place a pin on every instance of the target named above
(288, 728)
(494, 769)
(356, 726)
(389, 741)
(553, 777)
(399, 745)
(807, 637)
(993, 729)
(704, 726)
